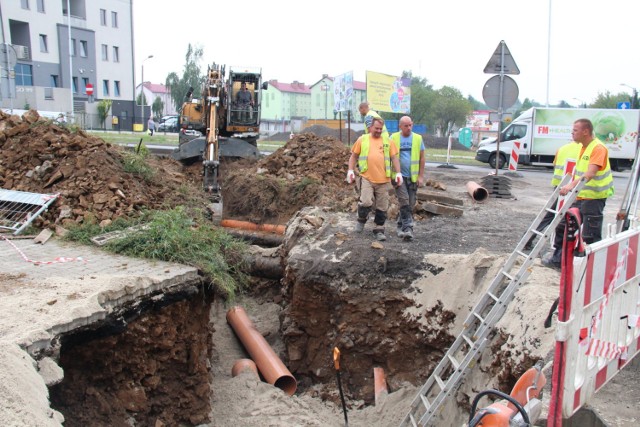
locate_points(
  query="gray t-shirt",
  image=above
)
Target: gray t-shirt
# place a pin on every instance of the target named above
(243, 97)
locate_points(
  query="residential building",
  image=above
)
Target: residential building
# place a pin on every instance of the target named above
(322, 100)
(152, 91)
(59, 53)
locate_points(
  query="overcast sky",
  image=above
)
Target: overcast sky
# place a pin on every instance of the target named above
(593, 43)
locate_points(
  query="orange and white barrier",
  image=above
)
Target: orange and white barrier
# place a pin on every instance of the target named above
(57, 260)
(600, 333)
(515, 154)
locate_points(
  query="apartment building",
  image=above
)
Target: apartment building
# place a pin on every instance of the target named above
(66, 55)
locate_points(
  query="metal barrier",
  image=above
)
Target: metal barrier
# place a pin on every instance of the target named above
(18, 208)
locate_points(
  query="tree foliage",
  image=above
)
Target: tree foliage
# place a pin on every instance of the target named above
(104, 107)
(608, 100)
(157, 107)
(192, 76)
(450, 109)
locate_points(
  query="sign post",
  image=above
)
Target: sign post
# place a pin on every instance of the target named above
(501, 91)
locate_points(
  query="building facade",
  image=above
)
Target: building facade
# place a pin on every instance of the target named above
(57, 57)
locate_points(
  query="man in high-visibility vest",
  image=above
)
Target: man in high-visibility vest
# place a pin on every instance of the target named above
(568, 151)
(374, 154)
(411, 148)
(368, 115)
(594, 168)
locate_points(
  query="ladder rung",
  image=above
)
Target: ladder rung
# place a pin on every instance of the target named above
(468, 340)
(492, 296)
(522, 254)
(440, 382)
(507, 275)
(553, 211)
(480, 318)
(413, 420)
(453, 361)
(539, 233)
(425, 401)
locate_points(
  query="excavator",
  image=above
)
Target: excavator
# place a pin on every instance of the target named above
(218, 125)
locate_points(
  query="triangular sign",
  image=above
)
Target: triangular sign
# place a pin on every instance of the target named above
(495, 62)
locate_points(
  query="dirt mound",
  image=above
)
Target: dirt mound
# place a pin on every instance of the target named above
(320, 131)
(89, 174)
(308, 170)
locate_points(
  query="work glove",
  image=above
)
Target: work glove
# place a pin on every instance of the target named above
(351, 176)
(398, 179)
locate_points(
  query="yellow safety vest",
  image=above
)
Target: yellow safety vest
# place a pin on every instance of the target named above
(377, 116)
(566, 152)
(363, 158)
(415, 152)
(601, 185)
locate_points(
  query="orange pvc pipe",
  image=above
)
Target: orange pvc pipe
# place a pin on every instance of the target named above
(379, 385)
(247, 225)
(476, 191)
(269, 364)
(242, 365)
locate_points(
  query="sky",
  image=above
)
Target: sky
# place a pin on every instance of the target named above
(593, 44)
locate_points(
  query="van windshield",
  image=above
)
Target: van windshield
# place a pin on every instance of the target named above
(514, 132)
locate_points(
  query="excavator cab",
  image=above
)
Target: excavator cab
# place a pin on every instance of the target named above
(244, 91)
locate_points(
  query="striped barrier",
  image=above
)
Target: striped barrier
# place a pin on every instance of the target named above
(602, 331)
(515, 153)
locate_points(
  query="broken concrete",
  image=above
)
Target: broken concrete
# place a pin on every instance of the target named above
(41, 303)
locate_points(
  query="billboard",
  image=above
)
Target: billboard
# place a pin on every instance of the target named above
(388, 93)
(343, 92)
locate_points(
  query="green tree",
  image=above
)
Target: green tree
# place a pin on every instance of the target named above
(104, 107)
(141, 99)
(477, 105)
(450, 108)
(192, 77)
(157, 107)
(608, 100)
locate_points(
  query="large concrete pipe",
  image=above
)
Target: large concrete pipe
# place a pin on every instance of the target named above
(269, 364)
(476, 191)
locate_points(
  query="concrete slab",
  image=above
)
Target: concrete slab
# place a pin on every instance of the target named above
(50, 289)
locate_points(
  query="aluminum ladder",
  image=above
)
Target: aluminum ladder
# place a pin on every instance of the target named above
(467, 349)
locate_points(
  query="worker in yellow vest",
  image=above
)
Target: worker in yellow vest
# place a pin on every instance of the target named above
(374, 154)
(594, 168)
(368, 115)
(411, 148)
(565, 153)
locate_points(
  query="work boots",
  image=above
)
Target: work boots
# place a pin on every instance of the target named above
(363, 214)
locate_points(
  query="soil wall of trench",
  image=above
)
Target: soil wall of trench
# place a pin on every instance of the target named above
(151, 370)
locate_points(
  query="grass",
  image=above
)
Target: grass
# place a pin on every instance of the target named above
(176, 236)
(124, 138)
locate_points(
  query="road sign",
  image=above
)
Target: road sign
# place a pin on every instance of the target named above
(624, 105)
(89, 89)
(499, 65)
(491, 92)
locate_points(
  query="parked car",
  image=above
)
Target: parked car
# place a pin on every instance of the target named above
(169, 125)
(164, 118)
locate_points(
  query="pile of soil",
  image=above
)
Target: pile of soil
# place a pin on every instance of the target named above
(308, 170)
(40, 156)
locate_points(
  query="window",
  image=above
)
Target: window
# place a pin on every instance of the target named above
(75, 84)
(43, 43)
(105, 52)
(85, 82)
(105, 88)
(24, 75)
(48, 93)
(116, 88)
(41, 6)
(114, 19)
(54, 80)
(24, 4)
(103, 17)
(83, 48)
(72, 47)
(116, 54)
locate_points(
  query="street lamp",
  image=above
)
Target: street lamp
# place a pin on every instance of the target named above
(634, 96)
(142, 92)
(325, 88)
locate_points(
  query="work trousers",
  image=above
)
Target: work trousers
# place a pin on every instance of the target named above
(373, 196)
(592, 215)
(406, 194)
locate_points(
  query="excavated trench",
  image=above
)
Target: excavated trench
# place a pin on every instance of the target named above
(152, 364)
